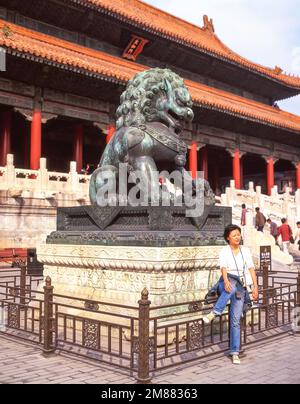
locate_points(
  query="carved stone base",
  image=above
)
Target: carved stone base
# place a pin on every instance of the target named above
(119, 274)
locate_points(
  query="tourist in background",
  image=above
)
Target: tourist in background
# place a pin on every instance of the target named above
(243, 220)
(260, 220)
(273, 229)
(244, 214)
(286, 234)
(297, 235)
(86, 170)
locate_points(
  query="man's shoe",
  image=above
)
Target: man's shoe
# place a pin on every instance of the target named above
(236, 360)
(209, 318)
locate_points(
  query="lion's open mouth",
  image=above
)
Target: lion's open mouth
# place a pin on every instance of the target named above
(175, 121)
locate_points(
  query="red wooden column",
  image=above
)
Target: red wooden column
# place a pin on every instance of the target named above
(5, 136)
(110, 133)
(298, 176)
(270, 174)
(193, 157)
(237, 168)
(36, 139)
(242, 171)
(78, 147)
(204, 161)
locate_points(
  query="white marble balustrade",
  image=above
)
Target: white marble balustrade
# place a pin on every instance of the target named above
(17, 181)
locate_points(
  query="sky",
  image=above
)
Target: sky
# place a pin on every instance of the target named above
(265, 31)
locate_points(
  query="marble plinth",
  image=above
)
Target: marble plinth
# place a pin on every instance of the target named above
(119, 274)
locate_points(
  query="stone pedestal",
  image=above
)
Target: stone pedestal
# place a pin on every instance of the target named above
(106, 256)
(119, 274)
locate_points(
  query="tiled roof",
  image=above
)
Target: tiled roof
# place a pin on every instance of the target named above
(64, 53)
(202, 38)
(242, 107)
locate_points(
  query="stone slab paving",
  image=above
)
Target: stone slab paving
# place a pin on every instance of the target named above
(276, 361)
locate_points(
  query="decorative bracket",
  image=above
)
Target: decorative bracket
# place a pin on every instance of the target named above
(233, 151)
(27, 114)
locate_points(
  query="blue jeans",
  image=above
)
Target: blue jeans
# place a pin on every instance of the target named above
(236, 312)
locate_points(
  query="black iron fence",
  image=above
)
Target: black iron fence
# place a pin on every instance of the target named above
(142, 338)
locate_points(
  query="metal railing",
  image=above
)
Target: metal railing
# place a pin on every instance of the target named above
(142, 338)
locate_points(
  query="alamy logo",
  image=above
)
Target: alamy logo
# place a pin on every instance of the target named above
(158, 189)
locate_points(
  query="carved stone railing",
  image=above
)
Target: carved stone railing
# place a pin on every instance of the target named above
(17, 181)
(276, 206)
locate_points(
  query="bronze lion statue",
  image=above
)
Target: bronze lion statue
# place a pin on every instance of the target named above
(153, 111)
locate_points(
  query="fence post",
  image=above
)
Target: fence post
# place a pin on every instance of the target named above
(23, 283)
(265, 269)
(48, 317)
(143, 376)
(297, 313)
(266, 294)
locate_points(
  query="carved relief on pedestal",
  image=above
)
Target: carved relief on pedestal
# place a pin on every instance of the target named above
(123, 258)
(119, 274)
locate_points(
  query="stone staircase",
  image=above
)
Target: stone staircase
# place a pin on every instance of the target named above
(296, 257)
(276, 207)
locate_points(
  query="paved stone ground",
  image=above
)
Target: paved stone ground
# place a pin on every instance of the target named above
(276, 361)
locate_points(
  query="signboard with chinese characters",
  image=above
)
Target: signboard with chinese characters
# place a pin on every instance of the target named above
(134, 48)
(266, 257)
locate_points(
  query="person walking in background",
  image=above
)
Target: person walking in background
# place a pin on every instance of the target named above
(286, 234)
(260, 220)
(243, 220)
(273, 229)
(244, 213)
(86, 170)
(297, 235)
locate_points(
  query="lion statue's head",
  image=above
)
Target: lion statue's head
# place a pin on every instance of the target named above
(155, 95)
